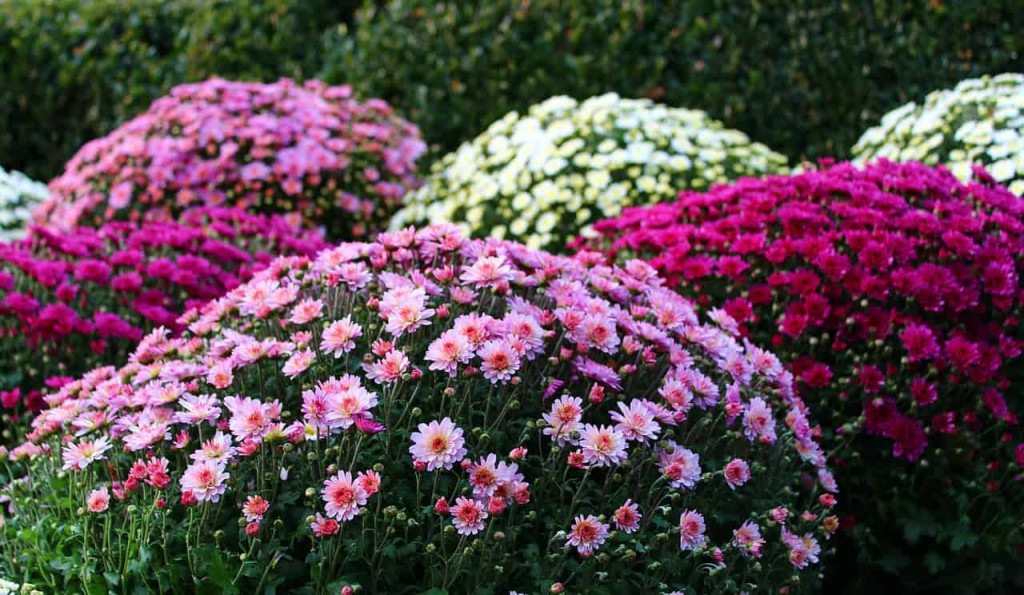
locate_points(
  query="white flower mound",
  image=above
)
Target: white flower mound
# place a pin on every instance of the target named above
(980, 121)
(545, 177)
(18, 194)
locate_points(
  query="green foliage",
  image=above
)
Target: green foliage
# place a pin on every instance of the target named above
(73, 69)
(804, 76)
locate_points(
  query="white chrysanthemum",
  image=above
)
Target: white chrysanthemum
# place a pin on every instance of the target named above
(545, 176)
(18, 195)
(980, 121)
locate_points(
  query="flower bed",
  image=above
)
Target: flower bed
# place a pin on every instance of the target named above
(278, 148)
(432, 412)
(18, 194)
(893, 293)
(72, 301)
(541, 177)
(980, 121)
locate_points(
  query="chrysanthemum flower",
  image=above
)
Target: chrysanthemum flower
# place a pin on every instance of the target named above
(468, 516)
(587, 535)
(691, 530)
(205, 480)
(602, 446)
(627, 517)
(438, 445)
(343, 496)
(98, 500)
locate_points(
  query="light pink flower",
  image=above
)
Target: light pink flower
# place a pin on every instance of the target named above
(254, 508)
(205, 480)
(446, 352)
(758, 423)
(803, 551)
(691, 530)
(339, 337)
(348, 404)
(681, 465)
(635, 421)
(587, 535)
(79, 456)
(499, 361)
(389, 368)
(483, 477)
(298, 363)
(748, 539)
(438, 445)
(468, 516)
(737, 473)
(627, 517)
(98, 500)
(218, 448)
(307, 311)
(487, 271)
(343, 496)
(564, 418)
(602, 446)
(251, 418)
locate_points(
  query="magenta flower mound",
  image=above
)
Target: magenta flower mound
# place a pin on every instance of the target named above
(75, 300)
(893, 294)
(457, 406)
(308, 149)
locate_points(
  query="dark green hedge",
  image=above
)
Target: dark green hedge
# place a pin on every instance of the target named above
(805, 77)
(71, 70)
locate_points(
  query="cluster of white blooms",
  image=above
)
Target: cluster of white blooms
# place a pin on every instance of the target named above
(545, 177)
(11, 588)
(980, 121)
(18, 194)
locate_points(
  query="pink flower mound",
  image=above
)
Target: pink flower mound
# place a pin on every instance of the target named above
(450, 389)
(894, 294)
(278, 148)
(75, 300)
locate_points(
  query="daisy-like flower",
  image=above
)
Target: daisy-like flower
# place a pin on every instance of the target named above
(220, 375)
(298, 363)
(205, 480)
(198, 408)
(598, 332)
(345, 406)
(483, 477)
(737, 473)
(251, 418)
(803, 550)
(339, 337)
(446, 352)
(758, 423)
(389, 368)
(691, 530)
(487, 271)
(587, 535)
(680, 465)
(81, 455)
(602, 446)
(98, 500)
(369, 481)
(254, 508)
(627, 517)
(564, 418)
(748, 539)
(499, 361)
(476, 328)
(343, 496)
(216, 449)
(468, 516)
(405, 310)
(307, 311)
(635, 421)
(438, 445)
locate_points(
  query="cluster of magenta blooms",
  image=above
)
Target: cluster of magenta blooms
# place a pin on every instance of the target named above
(893, 293)
(405, 363)
(71, 301)
(308, 149)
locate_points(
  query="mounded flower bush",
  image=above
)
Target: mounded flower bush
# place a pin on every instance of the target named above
(72, 301)
(18, 194)
(980, 121)
(283, 147)
(541, 177)
(429, 412)
(893, 294)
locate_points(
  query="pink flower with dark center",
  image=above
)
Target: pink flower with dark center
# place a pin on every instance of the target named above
(205, 480)
(343, 496)
(635, 421)
(691, 530)
(602, 446)
(98, 500)
(468, 516)
(499, 361)
(737, 473)
(627, 517)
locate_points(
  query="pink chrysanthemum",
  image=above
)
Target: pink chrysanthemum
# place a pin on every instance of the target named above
(343, 496)
(602, 446)
(627, 517)
(691, 530)
(564, 418)
(98, 500)
(468, 516)
(79, 456)
(737, 473)
(680, 465)
(438, 445)
(339, 337)
(254, 508)
(205, 480)
(448, 351)
(499, 361)
(587, 535)
(635, 421)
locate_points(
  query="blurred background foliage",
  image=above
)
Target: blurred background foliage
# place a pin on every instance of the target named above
(806, 77)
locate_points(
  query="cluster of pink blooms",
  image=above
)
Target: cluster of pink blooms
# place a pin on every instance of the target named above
(70, 301)
(283, 147)
(574, 368)
(893, 292)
